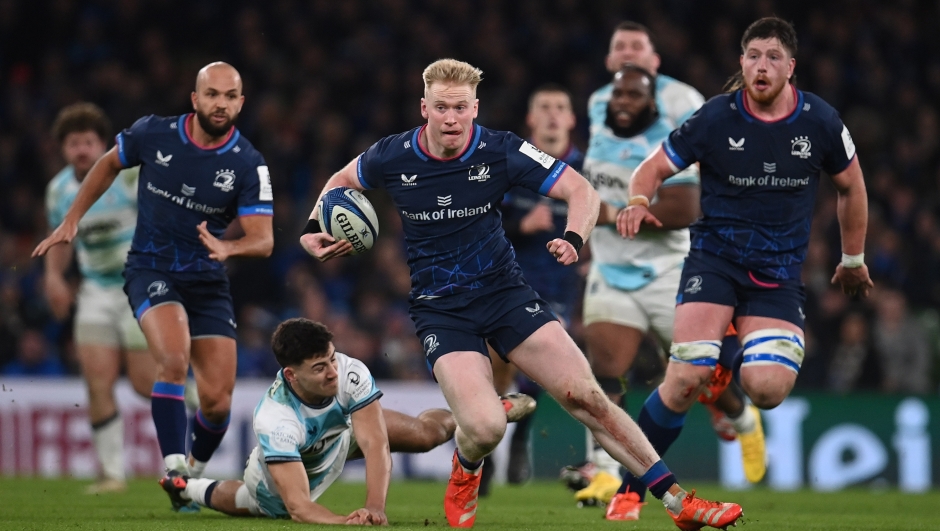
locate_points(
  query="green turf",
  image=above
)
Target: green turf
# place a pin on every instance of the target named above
(31, 504)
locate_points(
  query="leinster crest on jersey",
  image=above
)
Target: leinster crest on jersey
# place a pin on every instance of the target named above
(224, 180)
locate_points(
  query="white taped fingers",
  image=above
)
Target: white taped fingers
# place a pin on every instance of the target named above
(704, 353)
(773, 346)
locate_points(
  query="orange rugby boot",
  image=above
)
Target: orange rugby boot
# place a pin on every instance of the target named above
(625, 506)
(698, 513)
(460, 498)
(719, 381)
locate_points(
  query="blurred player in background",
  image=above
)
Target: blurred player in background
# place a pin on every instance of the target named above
(530, 220)
(304, 438)
(197, 175)
(468, 291)
(761, 148)
(106, 334)
(622, 301)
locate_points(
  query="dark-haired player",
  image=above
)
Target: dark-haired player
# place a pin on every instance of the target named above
(105, 331)
(304, 438)
(761, 148)
(197, 175)
(446, 179)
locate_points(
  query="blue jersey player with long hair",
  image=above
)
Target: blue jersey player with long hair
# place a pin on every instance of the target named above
(446, 178)
(197, 175)
(761, 149)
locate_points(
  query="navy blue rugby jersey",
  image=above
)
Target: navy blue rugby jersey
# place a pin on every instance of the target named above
(759, 178)
(554, 282)
(450, 208)
(183, 184)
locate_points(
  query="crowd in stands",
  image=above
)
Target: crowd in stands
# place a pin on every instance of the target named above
(324, 79)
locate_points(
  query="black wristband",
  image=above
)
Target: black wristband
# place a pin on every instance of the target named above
(574, 239)
(312, 227)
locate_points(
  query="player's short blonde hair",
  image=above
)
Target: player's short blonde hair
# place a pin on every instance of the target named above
(451, 71)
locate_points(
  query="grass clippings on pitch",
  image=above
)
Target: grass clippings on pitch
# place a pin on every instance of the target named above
(38, 504)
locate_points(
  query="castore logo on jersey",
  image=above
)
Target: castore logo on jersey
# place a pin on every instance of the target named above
(163, 160)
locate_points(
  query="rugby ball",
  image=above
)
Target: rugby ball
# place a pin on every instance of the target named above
(346, 214)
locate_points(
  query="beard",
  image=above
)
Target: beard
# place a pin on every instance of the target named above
(765, 97)
(640, 122)
(213, 129)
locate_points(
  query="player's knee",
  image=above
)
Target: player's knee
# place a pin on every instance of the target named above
(486, 433)
(173, 366)
(215, 407)
(438, 427)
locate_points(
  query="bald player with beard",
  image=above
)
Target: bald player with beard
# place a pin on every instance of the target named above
(197, 175)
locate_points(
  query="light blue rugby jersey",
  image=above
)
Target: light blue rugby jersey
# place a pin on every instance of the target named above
(609, 165)
(106, 231)
(289, 429)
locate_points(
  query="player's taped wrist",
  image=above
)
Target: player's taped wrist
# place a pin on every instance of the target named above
(574, 239)
(312, 227)
(639, 200)
(852, 261)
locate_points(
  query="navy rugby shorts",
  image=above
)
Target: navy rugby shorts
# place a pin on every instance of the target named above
(710, 278)
(205, 296)
(504, 318)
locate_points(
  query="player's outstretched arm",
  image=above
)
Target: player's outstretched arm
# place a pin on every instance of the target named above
(852, 211)
(368, 425)
(646, 180)
(291, 481)
(583, 208)
(320, 245)
(96, 183)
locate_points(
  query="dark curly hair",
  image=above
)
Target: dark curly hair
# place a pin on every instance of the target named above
(297, 340)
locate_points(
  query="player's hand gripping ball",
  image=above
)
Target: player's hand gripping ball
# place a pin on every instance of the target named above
(346, 214)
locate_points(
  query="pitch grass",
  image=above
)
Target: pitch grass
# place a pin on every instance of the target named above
(37, 504)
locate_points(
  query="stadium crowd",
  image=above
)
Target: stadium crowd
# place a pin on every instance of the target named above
(323, 79)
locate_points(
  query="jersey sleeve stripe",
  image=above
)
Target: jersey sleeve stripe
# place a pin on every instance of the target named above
(281, 458)
(366, 402)
(256, 210)
(362, 179)
(673, 157)
(552, 178)
(119, 139)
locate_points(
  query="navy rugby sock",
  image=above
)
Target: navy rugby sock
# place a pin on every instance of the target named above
(662, 427)
(169, 417)
(472, 466)
(658, 479)
(207, 436)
